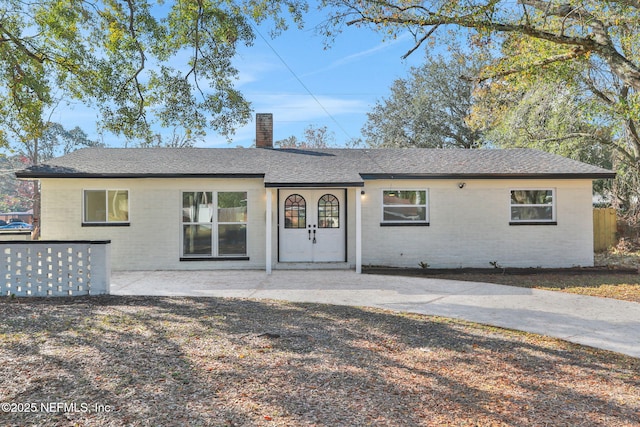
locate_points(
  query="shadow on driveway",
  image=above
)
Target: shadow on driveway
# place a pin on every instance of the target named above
(598, 322)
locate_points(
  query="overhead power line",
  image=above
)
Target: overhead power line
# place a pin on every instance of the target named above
(293, 73)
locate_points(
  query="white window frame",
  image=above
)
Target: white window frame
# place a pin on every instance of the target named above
(214, 227)
(106, 221)
(551, 221)
(384, 222)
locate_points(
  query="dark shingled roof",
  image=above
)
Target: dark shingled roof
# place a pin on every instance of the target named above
(312, 167)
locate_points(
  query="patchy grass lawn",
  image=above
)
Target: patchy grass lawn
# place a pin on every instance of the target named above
(114, 361)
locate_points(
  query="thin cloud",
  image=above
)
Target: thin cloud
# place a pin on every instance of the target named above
(252, 70)
(301, 105)
(291, 114)
(359, 55)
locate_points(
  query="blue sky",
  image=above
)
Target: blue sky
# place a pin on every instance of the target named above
(301, 82)
(339, 84)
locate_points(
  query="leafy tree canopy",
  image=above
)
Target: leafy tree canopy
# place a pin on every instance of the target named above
(570, 29)
(140, 62)
(587, 52)
(429, 108)
(56, 141)
(593, 46)
(15, 196)
(52, 140)
(550, 116)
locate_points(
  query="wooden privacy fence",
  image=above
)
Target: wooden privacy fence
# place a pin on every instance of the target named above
(605, 228)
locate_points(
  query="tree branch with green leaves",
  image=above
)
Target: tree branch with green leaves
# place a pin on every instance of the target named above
(142, 63)
(593, 27)
(586, 53)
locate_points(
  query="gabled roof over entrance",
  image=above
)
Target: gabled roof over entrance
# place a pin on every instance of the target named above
(313, 167)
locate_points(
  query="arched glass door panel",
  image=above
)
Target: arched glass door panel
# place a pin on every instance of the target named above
(295, 212)
(328, 212)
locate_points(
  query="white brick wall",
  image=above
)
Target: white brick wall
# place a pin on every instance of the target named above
(469, 227)
(152, 240)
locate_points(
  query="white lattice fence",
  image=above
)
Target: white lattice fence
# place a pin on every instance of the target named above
(60, 268)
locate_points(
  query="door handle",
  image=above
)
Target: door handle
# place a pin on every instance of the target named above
(314, 234)
(309, 232)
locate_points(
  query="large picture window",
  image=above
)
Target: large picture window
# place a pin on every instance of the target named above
(106, 207)
(214, 224)
(536, 206)
(405, 207)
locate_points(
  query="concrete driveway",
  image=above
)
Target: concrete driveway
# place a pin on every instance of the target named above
(598, 322)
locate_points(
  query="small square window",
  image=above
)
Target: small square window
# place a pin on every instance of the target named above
(532, 206)
(106, 207)
(405, 207)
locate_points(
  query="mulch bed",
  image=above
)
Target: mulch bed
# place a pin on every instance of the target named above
(498, 270)
(151, 361)
(616, 281)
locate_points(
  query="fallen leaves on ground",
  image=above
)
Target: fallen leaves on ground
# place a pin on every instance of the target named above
(226, 362)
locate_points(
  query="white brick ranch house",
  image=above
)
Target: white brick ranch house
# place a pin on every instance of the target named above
(265, 208)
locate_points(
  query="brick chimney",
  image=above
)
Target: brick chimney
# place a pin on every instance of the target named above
(264, 130)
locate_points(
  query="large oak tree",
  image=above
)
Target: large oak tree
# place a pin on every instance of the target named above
(576, 29)
(139, 62)
(429, 108)
(592, 47)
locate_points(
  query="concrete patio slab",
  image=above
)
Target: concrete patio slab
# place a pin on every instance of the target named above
(598, 322)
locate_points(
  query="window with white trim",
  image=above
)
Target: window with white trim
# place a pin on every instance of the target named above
(102, 207)
(533, 206)
(405, 207)
(214, 224)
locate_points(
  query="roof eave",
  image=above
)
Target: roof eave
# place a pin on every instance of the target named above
(313, 184)
(595, 175)
(37, 175)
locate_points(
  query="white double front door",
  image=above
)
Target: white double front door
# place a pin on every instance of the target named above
(312, 225)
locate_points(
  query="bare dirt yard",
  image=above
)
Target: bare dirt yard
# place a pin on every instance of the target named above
(116, 361)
